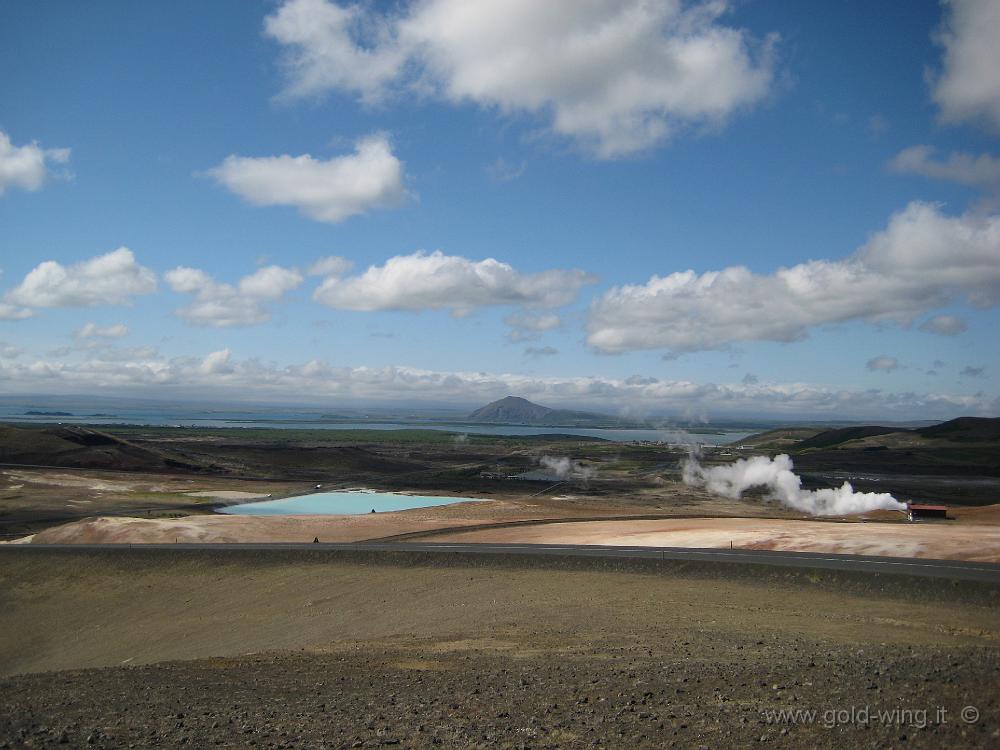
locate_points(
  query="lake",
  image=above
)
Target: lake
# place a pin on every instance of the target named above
(75, 413)
(353, 502)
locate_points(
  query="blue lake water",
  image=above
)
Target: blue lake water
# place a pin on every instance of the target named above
(348, 502)
(73, 412)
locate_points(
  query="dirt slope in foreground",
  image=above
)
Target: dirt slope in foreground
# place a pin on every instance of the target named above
(314, 651)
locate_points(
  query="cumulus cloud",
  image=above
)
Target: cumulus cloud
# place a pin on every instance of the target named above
(126, 355)
(216, 363)
(144, 371)
(972, 372)
(92, 330)
(967, 88)
(618, 76)
(335, 47)
(29, 166)
(435, 281)
(332, 265)
(944, 325)
(882, 364)
(529, 326)
(750, 379)
(531, 322)
(921, 261)
(110, 279)
(13, 312)
(223, 305)
(331, 190)
(967, 169)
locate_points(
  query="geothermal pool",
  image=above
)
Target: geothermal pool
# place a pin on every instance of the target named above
(352, 502)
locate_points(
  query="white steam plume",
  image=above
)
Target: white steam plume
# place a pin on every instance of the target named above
(566, 468)
(784, 485)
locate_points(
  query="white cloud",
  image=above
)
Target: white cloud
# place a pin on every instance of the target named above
(13, 312)
(27, 167)
(330, 191)
(333, 47)
(144, 371)
(967, 169)
(216, 363)
(618, 76)
(9, 351)
(127, 355)
(92, 330)
(944, 325)
(532, 322)
(529, 326)
(882, 364)
(223, 305)
(436, 281)
(968, 86)
(921, 261)
(332, 265)
(110, 279)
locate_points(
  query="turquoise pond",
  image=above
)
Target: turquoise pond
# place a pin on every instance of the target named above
(348, 502)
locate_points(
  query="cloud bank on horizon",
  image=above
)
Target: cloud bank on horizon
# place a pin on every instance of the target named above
(218, 374)
(589, 177)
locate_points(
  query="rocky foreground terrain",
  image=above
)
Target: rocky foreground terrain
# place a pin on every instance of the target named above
(152, 649)
(700, 691)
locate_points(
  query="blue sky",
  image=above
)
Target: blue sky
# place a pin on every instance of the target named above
(592, 150)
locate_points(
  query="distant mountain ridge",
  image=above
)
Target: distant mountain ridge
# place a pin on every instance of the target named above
(520, 411)
(842, 435)
(965, 429)
(960, 430)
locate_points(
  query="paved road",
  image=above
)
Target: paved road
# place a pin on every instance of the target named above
(951, 569)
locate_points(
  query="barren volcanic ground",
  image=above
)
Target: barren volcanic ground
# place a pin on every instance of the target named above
(232, 648)
(936, 541)
(50, 476)
(478, 523)
(307, 648)
(196, 471)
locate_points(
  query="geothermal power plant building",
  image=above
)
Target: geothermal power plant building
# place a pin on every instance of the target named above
(919, 511)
